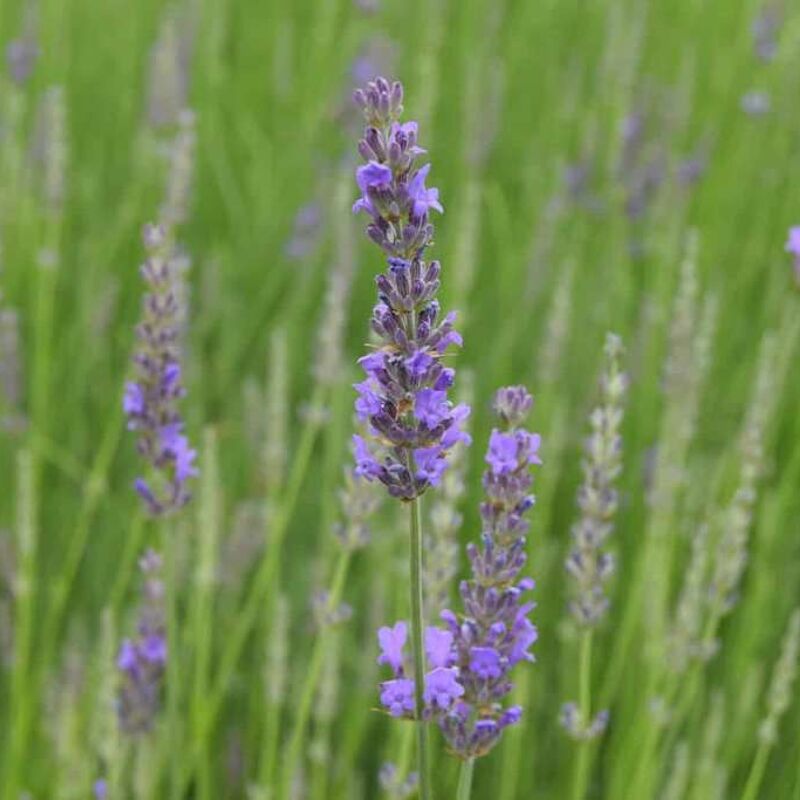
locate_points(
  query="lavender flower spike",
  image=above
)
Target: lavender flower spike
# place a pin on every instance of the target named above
(597, 498)
(150, 401)
(142, 660)
(472, 657)
(411, 422)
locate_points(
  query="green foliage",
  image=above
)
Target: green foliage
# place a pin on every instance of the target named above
(508, 94)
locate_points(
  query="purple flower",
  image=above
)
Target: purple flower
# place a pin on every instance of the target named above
(405, 374)
(442, 688)
(529, 444)
(366, 466)
(392, 641)
(511, 716)
(430, 464)
(175, 445)
(100, 789)
(438, 645)
(418, 365)
(431, 406)
(126, 659)
(368, 403)
(423, 198)
(372, 175)
(154, 649)
(133, 402)
(398, 696)
(525, 635)
(485, 663)
(373, 363)
(502, 453)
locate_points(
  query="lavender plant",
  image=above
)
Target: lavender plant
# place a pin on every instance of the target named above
(411, 423)
(587, 564)
(473, 655)
(151, 401)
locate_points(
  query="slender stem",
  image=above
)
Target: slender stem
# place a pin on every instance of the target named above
(417, 644)
(585, 701)
(465, 779)
(202, 599)
(753, 785)
(169, 545)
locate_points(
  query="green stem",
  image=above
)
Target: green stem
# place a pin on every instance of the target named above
(127, 564)
(753, 785)
(203, 595)
(465, 779)
(172, 731)
(417, 643)
(585, 702)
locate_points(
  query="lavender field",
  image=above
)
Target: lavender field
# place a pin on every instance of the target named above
(399, 399)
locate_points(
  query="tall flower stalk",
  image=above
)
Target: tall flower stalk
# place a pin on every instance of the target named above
(587, 563)
(151, 400)
(472, 657)
(404, 398)
(151, 404)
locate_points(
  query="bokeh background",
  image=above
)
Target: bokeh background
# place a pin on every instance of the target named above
(612, 166)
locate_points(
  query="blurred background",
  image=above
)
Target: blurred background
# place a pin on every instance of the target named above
(613, 166)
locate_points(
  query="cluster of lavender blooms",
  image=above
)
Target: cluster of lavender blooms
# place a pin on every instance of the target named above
(151, 401)
(597, 497)
(472, 657)
(793, 248)
(412, 424)
(142, 660)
